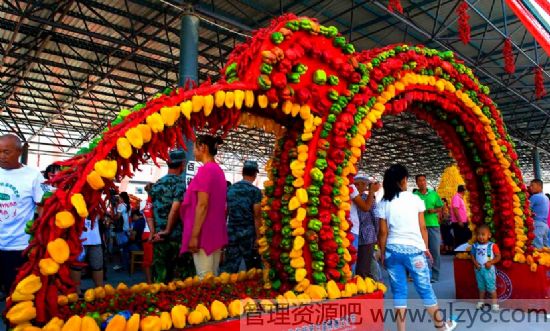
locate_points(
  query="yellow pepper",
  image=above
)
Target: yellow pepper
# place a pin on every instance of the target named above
(29, 285)
(263, 101)
(300, 274)
(21, 312)
(294, 203)
(106, 168)
(155, 122)
(219, 98)
(303, 298)
(72, 297)
(316, 292)
(89, 324)
(218, 310)
(32, 328)
(297, 263)
(332, 290)
(64, 219)
(381, 287)
(133, 323)
(165, 321)
(55, 324)
(295, 253)
(109, 289)
(99, 292)
(301, 194)
(77, 200)
(48, 267)
(146, 133)
(117, 323)
(179, 316)
(62, 300)
(95, 181)
(74, 323)
(169, 115)
(239, 98)
(235, 308)
(204, 311)
(302, 285)
(58, 250)
(229, 99)
(249, 304)
(186, 108)
(249, 98)
(22, 327)
(361, 285)
(298, 243)
(124, 148)
(89, 295)
(195, 317)
(135, 137)
(151, 323)
(16, 296)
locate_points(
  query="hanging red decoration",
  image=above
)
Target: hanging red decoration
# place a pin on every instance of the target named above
(540, 91)
(395, 5)
(509, 61)
(463, 24)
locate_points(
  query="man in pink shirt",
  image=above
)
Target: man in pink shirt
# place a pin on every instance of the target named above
(459, 217)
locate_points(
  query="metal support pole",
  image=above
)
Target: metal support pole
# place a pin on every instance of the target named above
(188, 72)
(536, 164)
(25, 153)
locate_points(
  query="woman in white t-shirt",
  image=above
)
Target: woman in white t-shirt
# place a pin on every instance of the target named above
(403, 241)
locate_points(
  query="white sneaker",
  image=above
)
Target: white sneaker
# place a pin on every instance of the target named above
(479, 305)
(495, 307)
(448, 326)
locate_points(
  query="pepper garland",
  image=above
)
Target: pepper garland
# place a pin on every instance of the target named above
(463, 22)
(507, 52)
(540, 91)
(310, 82)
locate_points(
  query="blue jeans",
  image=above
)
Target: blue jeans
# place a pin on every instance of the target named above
(486, 279)
(419, 270)
(541, 235)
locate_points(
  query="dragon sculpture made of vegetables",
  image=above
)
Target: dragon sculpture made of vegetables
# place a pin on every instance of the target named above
(306, 84)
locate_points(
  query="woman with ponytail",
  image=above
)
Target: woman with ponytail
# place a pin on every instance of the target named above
(403, 242)
(203, 209)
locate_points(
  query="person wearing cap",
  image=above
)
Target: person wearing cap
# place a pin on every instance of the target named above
(434, 205)
(368, 226)
(358, 204)
(244, 217)
(166, 195)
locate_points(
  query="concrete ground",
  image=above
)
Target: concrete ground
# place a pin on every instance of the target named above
(469, 318)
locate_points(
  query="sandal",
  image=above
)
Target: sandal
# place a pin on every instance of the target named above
(448, 326)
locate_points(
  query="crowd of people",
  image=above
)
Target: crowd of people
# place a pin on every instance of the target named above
(210, 226)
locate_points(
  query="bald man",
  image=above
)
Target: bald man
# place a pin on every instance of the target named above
(21, 189)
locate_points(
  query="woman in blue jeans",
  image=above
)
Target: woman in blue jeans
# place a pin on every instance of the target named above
(403, 241)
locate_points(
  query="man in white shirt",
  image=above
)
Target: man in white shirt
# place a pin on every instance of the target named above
(21, 189)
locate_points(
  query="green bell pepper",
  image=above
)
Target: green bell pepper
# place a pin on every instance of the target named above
(320, 77)
(313, 190)
(318, 256)
(314, 224)
(313, 211)
(319, 277)
(316, 175)
(318, 266)
(277, 37)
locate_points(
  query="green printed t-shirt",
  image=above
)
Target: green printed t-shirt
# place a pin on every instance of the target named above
(431, 200)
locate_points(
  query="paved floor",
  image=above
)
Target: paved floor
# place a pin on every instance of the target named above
(465, 312)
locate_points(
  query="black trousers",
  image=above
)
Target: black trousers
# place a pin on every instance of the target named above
(462, 234)
(11, 262)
